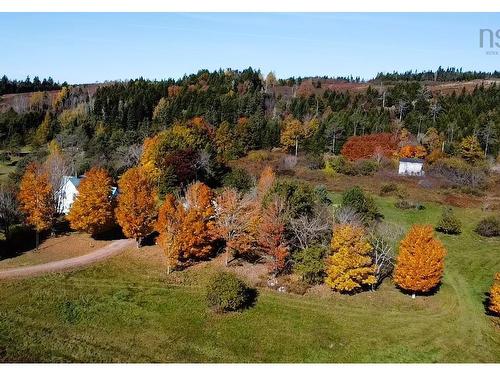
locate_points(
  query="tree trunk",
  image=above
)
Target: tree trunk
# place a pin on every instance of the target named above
(37, 240)
(413, 296)
(139, 242)
(333, 144)
(296, 146)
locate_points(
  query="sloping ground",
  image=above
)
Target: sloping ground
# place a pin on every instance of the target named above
(127, 309)
(69, 263)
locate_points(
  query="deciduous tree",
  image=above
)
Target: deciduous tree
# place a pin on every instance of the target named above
(495, 295)
(36, 199)
(232, 221)
(350, 265)
(470, 149)
(197, 230)
(271, 235)
(92, 210)
(170, 218)
(420, 263)
(136, 210)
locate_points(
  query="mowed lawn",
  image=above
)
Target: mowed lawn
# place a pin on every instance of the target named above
(128, 310)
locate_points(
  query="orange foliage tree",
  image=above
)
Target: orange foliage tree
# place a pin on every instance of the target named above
(170, 218)
(136, 210)
(233, 221)
(366, 146)
(265, 182)
(92, 210)
(420, 263)
(271, 235)
(411, 151)
(36, 199)
(495, 295)
(350, 265)
(196, 237)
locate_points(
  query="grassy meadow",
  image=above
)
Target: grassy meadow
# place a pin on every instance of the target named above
(128, 310)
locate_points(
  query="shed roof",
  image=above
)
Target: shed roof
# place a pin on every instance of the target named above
(411, 160)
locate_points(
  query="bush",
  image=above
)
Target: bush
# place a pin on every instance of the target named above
(365, 167)
(460, 173)
(239, 179)
(363, 204)
(338, 164)
(315, 161)
(309, 264)
(259, 155)
(449, 223)
(388, 189)
(489, 227)
(404, 204)
(226, 292)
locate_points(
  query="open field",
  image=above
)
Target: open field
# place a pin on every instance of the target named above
(127, 309)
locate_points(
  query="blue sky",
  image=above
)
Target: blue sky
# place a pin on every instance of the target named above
(91, 47)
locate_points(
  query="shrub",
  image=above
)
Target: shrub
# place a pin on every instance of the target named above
(365, 167)
(226, 292)
(338, 164)
(388, 189)
(362, 203)
(489, 227)
(404, 204)
(449, 223)
(315, 161)
(460, 173)
(309, 264)
(239, 179)
(259, 155)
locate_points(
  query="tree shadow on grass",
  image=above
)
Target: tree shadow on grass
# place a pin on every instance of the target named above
(111, 234)
(429, 293)
(486, 305)
(22, 240)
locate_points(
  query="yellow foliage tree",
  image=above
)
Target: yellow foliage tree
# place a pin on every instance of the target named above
(292, 131)
(349, 267)
(470, 149)
(495, 295)
(92, 210)
(43, 132)
(420, 263)
(136, 210)
(170, 218)
(36, 199)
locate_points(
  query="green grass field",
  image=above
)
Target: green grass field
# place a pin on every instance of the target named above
(127, 310)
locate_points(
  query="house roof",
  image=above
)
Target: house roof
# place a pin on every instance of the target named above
(74, 180)
(411, 160)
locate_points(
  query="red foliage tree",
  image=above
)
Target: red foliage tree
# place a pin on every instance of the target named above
(366, 146)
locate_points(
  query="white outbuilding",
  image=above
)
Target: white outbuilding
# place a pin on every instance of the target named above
(411, 167)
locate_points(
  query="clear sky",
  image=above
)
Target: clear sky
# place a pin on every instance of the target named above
(91, 47)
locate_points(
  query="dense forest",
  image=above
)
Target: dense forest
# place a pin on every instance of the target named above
(12, 86)
(241, 111)
(440, 75)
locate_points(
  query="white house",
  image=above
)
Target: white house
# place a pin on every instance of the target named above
(70, 191)
(411, 167)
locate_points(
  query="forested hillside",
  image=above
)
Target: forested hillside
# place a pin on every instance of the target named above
(107, 124)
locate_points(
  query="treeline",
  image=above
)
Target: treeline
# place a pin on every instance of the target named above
(441, 75)
(13, 86)
(242, 113)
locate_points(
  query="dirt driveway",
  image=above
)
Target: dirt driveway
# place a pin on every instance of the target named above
(61, 265)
